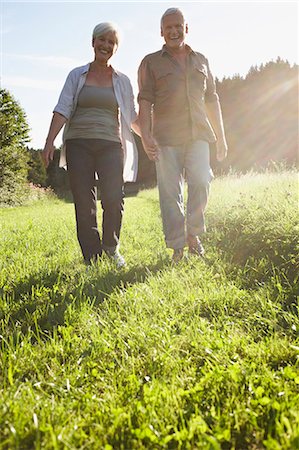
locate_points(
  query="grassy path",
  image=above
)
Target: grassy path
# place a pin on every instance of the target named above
(203, 355)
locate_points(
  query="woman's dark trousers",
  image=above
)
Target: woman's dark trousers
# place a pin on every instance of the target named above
(85, 158)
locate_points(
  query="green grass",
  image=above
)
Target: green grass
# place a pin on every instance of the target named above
(202, 355)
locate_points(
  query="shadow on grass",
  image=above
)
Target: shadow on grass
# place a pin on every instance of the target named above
(40, 302)
(254, 261)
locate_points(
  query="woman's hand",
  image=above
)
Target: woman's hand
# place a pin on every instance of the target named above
(57, 122)
(48, 153)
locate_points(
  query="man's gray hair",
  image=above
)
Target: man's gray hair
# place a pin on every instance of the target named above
(105, 27)
(171, 11)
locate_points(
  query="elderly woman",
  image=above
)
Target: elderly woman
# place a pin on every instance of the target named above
(96, 105)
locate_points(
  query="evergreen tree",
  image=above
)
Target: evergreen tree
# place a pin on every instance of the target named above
(14, 134)
(37, 173)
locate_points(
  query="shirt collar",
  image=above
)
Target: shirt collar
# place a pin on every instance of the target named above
(166, 51)
(86, 69)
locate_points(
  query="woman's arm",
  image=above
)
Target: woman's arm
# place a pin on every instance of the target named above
(136, 127)
(57, 122)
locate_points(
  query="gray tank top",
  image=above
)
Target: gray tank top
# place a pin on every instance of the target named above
(96, 115)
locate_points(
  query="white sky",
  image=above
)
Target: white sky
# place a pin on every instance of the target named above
(42, 41)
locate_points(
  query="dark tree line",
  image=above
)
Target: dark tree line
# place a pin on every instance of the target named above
(260, 113)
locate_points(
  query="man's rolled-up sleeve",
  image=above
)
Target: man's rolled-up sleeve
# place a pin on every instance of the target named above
(145, 82)
(211, 94)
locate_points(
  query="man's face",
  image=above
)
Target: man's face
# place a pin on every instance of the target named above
(174, 30)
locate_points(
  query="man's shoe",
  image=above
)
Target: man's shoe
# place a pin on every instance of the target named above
(178, 254)
(116, 257)
(195, 246)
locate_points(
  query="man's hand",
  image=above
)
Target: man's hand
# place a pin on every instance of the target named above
(221, 147)
(48, 154)
(151, 147)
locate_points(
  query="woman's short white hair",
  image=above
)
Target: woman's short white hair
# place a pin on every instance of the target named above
(171, 11)
(105, 27)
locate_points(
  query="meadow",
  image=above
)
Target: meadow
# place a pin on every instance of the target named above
(201, 355)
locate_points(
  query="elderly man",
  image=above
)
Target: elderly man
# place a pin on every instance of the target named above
(180, 115)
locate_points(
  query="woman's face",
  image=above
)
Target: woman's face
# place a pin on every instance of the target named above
(104, 46)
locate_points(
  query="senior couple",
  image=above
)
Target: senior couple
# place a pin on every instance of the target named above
(179, 115)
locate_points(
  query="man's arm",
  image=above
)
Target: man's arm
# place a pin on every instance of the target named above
(146, 98)
(145, 119)
(214, 114)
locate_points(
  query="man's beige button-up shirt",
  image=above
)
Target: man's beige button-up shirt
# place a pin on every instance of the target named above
(178, 96)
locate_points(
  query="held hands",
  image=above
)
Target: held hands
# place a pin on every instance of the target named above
(221, 147)
(48, 153)
(151, 147)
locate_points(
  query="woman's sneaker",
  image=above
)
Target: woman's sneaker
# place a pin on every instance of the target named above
(116, 257)
(178, 254)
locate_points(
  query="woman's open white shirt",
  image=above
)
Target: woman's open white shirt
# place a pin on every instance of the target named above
(67, 103)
